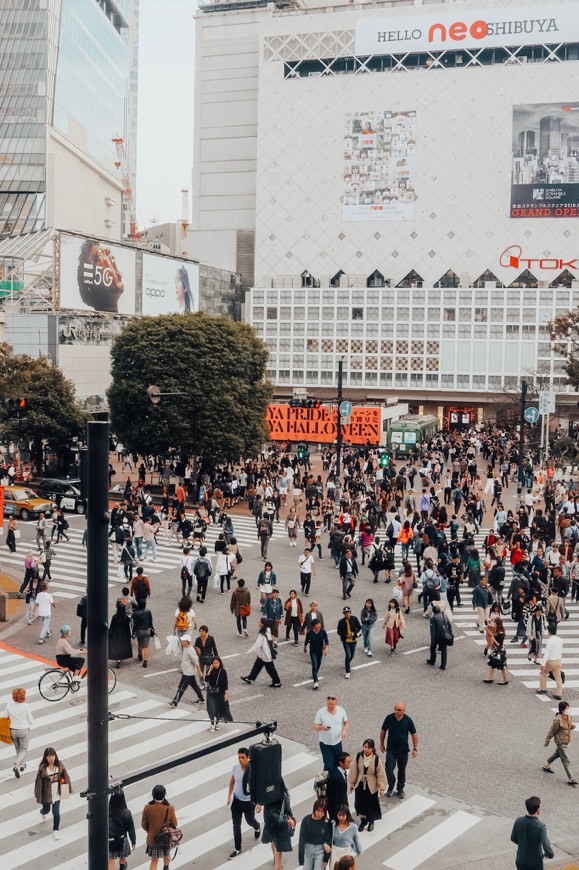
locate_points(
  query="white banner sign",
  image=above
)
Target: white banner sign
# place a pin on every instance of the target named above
(486, 28)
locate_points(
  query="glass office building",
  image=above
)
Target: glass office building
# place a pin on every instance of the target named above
(64, 67)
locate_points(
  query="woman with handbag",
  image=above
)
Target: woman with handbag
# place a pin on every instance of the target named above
(294, 615)
(345, 836)
(498, 655)
(20, 718)
(394, 623)
(368, 779)
(121, 829)
(240, 606)
(217, 686)
(143, 630)
(158, 816)
(278, 827)
(52, 783)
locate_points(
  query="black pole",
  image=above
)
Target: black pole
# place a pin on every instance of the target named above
(339, 433)
(522, 437)
(97, 646)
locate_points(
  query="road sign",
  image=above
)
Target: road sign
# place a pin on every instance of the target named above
(345, 409)
(532, 415)
(547, 402)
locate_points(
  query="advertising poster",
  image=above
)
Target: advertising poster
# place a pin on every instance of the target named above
(169, 286)
(85, 330)
(319, 424)
(379, 153)
(96, 276)
(545, 164)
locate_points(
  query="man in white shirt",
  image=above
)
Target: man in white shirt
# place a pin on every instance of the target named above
(552, 661)
(332, 724)
(43, 608)
(307, 568)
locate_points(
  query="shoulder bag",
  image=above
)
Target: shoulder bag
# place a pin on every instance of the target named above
(447, 635)
(168, 836)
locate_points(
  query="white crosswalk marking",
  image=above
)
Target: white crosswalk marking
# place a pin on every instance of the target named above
(198, 789)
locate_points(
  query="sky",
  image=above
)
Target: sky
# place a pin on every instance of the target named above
(165, 131)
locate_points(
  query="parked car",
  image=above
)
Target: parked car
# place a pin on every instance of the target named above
(26, 503)
(64, 491)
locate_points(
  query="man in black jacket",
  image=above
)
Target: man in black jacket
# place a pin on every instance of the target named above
(437, 626)
(530, 836)
(348, 573)
(338, 786)
(349, 629)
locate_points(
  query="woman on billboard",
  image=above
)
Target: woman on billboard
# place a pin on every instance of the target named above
(183, 290)
(100, 282)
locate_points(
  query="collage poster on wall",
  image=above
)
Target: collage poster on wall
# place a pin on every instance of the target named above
(379, 166)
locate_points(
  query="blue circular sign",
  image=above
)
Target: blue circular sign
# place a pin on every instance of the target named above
(532, 415)
(345, 409)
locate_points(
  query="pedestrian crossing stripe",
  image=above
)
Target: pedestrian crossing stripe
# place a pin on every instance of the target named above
(198, 790)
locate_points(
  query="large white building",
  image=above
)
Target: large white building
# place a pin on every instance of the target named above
(398, 183)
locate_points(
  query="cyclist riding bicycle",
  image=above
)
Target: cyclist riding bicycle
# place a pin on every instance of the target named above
(66, 655)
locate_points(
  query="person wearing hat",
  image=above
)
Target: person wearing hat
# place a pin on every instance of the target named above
(190, 669)
(349, 630)
(66, 655)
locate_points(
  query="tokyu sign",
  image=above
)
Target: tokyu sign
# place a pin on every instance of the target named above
(486, 28)
(512, 258)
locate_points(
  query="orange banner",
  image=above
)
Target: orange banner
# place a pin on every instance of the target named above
(318, 424)
(1, 505)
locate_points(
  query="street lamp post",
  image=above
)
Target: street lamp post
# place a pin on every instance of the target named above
(338, 488)
(524, 388)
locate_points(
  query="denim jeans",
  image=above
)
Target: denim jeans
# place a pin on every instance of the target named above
(139, 547)
(367, 632)
(313, 857)
(45, 626)
(330, 755)
(55, 813)
(396, 759)
(405, 548)
(316, 660)
(150, 547)
(241, 623)
(350, 652)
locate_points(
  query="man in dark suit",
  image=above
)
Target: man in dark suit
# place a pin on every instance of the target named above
(338, 786)
(530, 836)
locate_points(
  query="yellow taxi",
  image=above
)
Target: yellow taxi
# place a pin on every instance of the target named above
(22, 502)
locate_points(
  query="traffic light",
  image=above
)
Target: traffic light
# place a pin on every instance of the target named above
(301, 452)
(22, 403)
(384, 460)
(10, 405)
(16, 406)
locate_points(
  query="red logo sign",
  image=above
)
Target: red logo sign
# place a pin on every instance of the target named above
(512, 258)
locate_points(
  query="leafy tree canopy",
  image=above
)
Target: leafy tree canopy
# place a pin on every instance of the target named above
(564, 333)
(219, 366)
(51, 414)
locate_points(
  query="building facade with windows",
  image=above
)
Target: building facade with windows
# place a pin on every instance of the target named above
(410, 173)
(67, 89)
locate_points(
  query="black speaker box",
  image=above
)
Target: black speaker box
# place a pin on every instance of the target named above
(265, 782)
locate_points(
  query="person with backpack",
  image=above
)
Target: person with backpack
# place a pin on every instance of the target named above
(264, 533)
(117, 536)
(45, 559)
(202, 569)
(367, 778)
(430, 586)
(61, 527)
(184, 617)
(140, 586)
(121, 830)
(128, 558)
(186, 562)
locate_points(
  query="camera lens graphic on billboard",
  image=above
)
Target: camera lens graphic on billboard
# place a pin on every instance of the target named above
(96, 276)
(169, 286)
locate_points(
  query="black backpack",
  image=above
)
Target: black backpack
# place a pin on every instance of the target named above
(141, 590)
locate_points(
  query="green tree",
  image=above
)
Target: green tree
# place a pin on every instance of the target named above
(52, 414)
(216, 363)
(564, 333)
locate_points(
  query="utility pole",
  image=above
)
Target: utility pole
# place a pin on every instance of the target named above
(97, 646)
(524, 388)
(338, 488)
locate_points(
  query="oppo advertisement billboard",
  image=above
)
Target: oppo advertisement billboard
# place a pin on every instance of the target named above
(96, 276)
(169, 286)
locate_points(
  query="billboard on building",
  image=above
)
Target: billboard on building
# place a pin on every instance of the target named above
(545, 162)
(84, 330)
(320, 424)
(96, 276)
(169, 285)
(379, 153)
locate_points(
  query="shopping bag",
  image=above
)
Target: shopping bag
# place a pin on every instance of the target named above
(173, 645)
(5, 736)
(64, 790)
(157, 642)
(17, 534)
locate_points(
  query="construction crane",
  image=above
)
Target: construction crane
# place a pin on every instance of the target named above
(184, 217)
(122, 164)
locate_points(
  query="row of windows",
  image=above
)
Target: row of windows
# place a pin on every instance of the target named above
(464, 297)
(406, 379)
(403, 330)
(315, 67)
(404, 314)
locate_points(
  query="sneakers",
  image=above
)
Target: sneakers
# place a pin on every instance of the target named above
(43, 817)
(217, 726)
(56, 835)
(16, 772)
(346, 676)
(401, 795)
(246, 680)
(234, 854)
(212, 727)
(239, 634)
(316, 686)
(41, 640)
(257, 832)
(370, 654)
(245, 632)
(390, 792)
(275, 685)
(173, 704)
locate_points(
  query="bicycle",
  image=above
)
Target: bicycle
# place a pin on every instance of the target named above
(55, 683)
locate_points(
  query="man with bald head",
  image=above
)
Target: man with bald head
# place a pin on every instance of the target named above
(398, 726)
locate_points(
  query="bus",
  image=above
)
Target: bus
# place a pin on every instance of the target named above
(410, 432)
